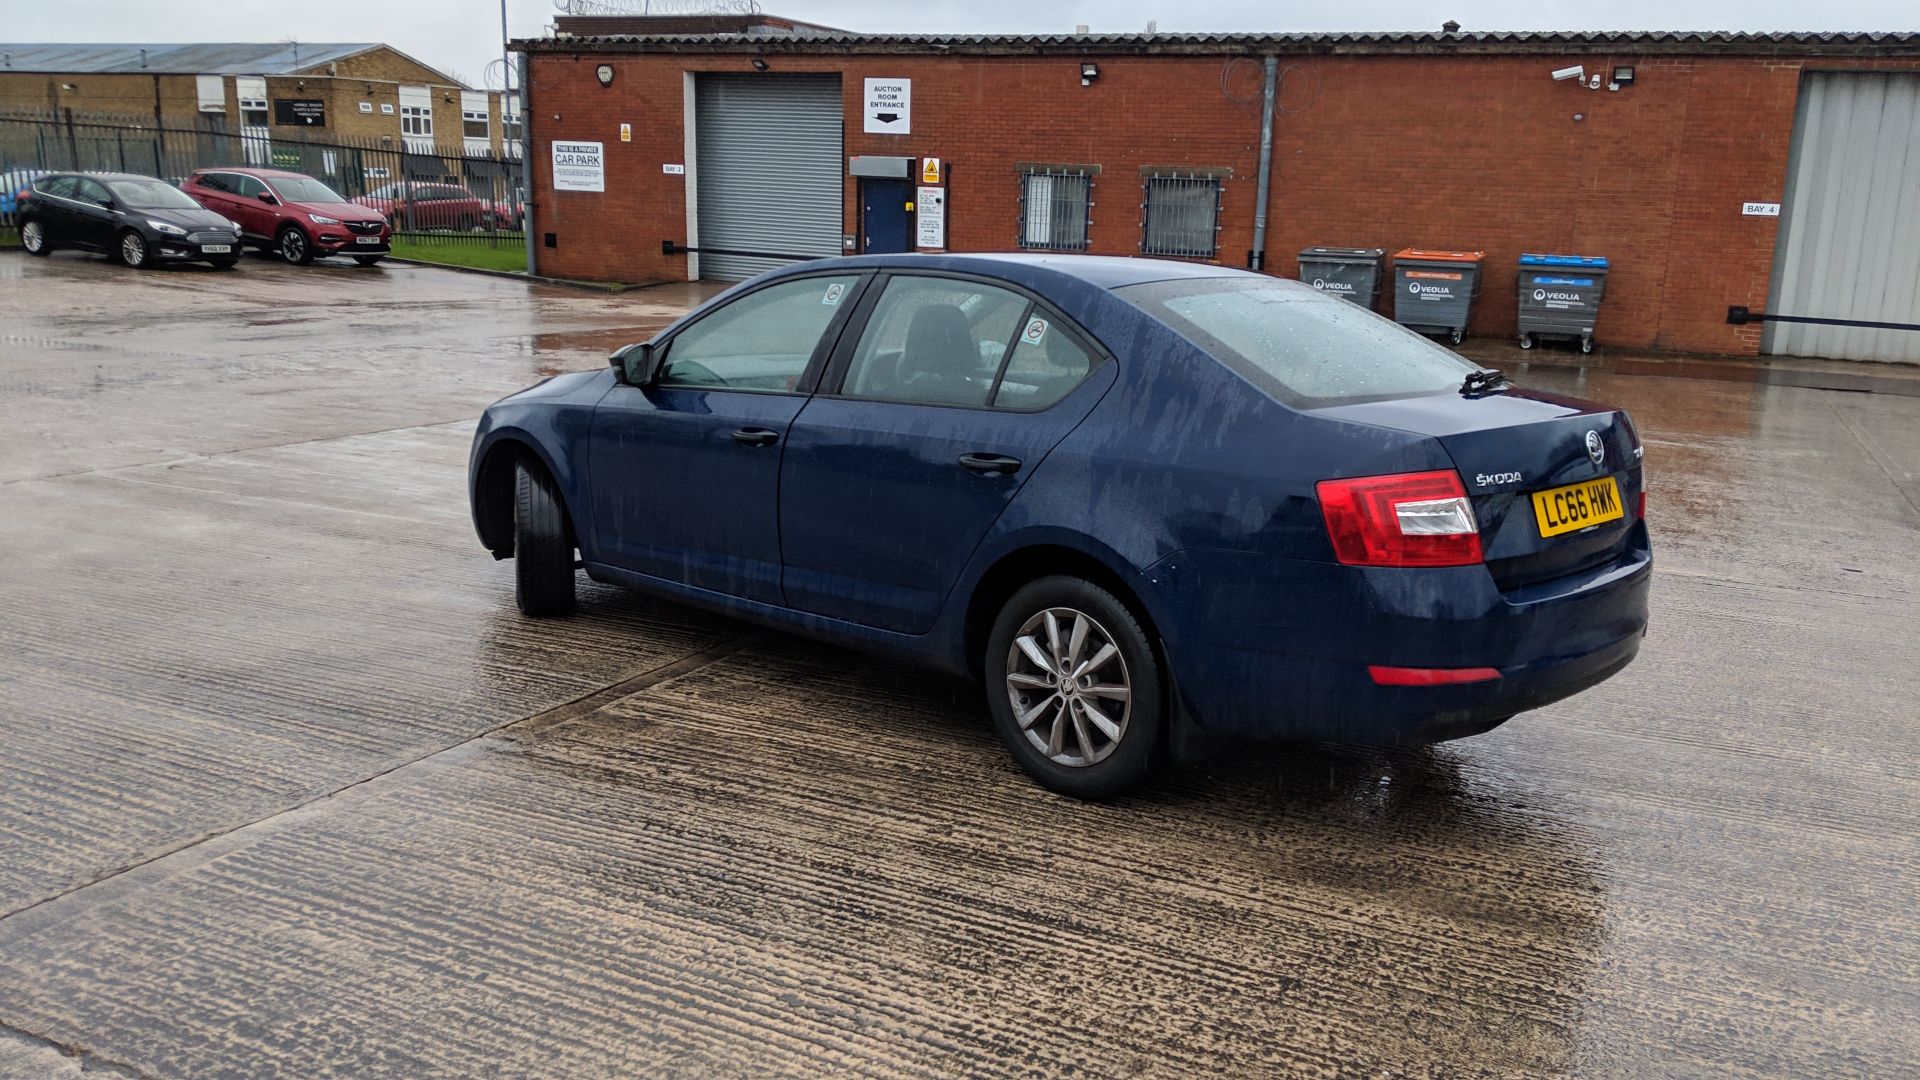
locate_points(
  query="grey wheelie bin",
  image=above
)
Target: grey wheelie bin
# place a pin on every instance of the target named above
(1433, 291)
(1350, 272)
(1559, 297)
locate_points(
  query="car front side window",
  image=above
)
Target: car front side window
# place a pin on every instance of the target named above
(761, 342)
(934, 341)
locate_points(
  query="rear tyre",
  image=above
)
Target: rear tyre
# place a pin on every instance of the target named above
(368, 260)
(1586, 344)
(1074, 685)
(294, 247)
(132, 250)
(542, 546)
(33, 237)
(1456, 336)
(1526, 341)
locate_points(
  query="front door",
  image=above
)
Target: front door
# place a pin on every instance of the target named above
(685, 473)
(885, 221)
(94, 221)
(888, 485)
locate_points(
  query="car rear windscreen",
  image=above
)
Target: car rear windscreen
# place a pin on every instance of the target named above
(1300, 345)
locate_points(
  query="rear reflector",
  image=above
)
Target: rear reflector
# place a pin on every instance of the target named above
(1407, 519)
(1640, 505)
(1429, 676)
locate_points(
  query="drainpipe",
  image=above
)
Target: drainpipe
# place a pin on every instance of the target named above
(526, 154)
(1257, 260)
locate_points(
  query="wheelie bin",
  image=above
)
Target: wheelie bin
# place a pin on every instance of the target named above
(1560, 296)
(1433, 290)
(1353, 273)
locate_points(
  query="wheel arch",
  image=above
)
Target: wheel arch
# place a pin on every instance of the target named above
(493, 490)
(1045, 558)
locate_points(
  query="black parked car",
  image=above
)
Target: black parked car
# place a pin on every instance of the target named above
(138, 219)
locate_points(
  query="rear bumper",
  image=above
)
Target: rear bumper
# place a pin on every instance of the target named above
(1277, 649)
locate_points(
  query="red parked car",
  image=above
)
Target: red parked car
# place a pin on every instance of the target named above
(410, 204)
(292, 213)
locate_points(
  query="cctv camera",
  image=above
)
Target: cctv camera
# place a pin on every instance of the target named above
(1575, 72)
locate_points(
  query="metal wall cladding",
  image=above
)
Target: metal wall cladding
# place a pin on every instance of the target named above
(769, 165)
(1851, 221)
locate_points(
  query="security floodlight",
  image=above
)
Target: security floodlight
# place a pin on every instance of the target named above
(1089, 71)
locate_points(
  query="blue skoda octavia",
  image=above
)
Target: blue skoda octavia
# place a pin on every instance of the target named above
(1144, 503)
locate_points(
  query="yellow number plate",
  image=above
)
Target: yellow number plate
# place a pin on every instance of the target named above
(1577, 506)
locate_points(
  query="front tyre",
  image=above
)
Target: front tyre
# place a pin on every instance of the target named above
(542, 546)
(1075, 688)
(133, 250)
(33, 237)
(294, 246)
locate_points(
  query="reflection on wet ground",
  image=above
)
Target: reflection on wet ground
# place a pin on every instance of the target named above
(291, 790)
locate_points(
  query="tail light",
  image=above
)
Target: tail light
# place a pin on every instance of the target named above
(1407, 519)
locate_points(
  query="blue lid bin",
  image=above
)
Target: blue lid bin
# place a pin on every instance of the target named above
(1560, 297)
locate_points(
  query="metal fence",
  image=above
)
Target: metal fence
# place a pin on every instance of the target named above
(432, 195)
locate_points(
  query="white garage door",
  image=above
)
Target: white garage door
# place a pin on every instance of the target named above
(1850, 228)
(768, 170)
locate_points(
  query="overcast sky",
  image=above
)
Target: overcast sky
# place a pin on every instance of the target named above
(463, 36)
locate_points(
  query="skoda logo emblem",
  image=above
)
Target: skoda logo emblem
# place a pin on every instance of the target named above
(1596, 450)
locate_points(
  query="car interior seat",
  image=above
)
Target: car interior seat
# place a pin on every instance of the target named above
(939, 356)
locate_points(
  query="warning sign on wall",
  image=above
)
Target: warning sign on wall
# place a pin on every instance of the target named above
(931, 216)
(889, 106)
(930, 170)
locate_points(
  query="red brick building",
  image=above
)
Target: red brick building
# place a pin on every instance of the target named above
(1666, 154)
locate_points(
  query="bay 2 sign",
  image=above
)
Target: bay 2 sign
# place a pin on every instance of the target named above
(579, 166)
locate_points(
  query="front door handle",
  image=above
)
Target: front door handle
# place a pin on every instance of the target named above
(990, 464)
(754, 436)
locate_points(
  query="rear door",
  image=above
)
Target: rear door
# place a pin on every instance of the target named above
(685, 474)
(52, 204)
(944, 404)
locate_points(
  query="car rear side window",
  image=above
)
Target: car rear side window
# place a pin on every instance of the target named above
(934, 341)
(60, 187)
(1301, 346)
(760, 342)
(1046, 364)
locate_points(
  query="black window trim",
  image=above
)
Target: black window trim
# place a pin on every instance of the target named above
(834, 378)
(822, 349)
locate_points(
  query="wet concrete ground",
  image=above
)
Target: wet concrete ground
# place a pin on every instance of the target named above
(289, 789)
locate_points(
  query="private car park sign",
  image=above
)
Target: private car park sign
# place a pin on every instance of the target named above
(579, 166)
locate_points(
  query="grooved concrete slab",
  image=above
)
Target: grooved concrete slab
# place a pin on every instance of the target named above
(290, 790)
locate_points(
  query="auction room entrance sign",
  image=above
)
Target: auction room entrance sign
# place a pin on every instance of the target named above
(579, 166)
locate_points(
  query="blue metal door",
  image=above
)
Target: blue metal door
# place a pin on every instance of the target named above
(883, 214)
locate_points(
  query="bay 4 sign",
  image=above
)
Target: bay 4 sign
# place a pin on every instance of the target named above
(579, 166)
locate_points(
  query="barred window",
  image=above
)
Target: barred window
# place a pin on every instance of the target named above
(1182, 215)
(1055, 208)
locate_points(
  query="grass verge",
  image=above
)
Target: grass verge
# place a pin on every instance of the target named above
(481, 256)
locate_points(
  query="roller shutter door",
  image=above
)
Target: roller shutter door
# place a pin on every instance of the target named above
(1850, 226)
(768, 169)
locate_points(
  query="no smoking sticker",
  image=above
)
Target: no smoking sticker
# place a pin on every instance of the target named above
(834, 292)
(1035, 333)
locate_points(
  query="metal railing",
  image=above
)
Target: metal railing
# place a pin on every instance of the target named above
(440, 194)
(1056, 209)
(1180, 215)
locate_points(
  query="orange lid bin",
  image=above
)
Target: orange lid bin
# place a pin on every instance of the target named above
(1436, 255)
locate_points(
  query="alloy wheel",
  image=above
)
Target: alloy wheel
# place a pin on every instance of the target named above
(1069, 687)
(293, 246)
(32, 237)
(133, 250)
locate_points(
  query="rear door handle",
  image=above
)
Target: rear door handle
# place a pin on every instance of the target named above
(754, 436)
(990, 464)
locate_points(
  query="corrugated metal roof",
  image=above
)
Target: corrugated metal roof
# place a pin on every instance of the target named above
(235, 58)
(1421, 41)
